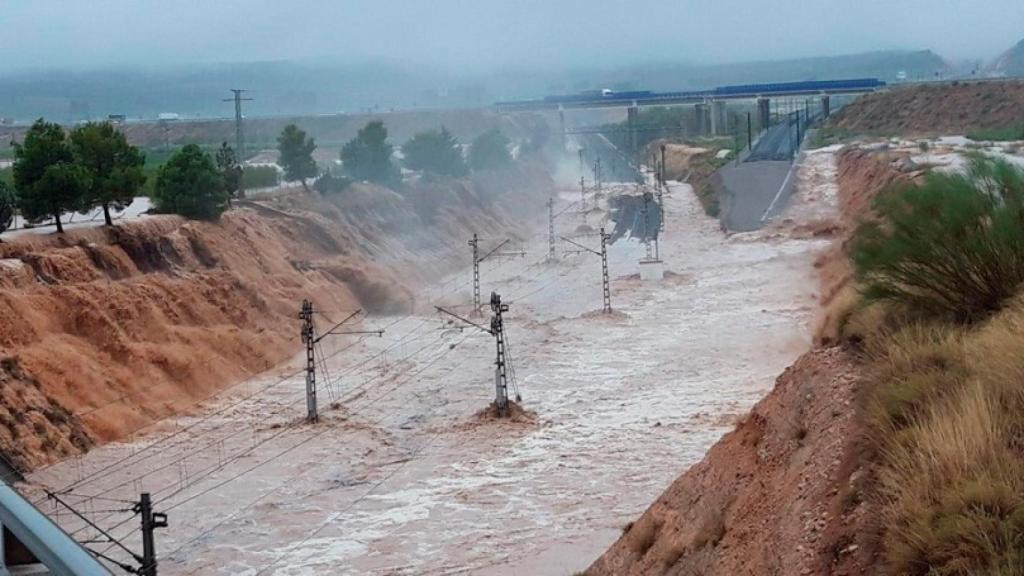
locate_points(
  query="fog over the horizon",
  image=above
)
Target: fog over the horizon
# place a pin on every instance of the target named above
(471, 35)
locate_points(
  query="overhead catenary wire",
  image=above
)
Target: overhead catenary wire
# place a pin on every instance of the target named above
(288, 480)
(213, 468)
(404, 338)
(287, 450)
(319, 433)
(117, 464)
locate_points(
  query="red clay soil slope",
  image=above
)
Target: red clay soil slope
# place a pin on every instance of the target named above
(104, 331)
(941, 109)
(861, 174)
(773, 497)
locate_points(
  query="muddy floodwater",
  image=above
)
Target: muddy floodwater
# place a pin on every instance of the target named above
(404, 474)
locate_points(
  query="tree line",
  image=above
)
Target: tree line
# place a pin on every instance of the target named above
(94, 166)
(371, 157)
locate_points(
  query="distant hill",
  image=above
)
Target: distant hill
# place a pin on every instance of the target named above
(293, 88)
(1009, 63)
(886, 65)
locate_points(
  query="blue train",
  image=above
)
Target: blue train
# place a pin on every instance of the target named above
(777, 88)
(808, 86)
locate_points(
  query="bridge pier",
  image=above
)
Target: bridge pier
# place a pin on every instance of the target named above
(632, 117)
(702, 118)
(719, 118)
(826, 106)
(764, 112)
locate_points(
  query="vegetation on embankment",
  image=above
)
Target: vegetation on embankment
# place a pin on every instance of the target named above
(694, 162)
(939, 321)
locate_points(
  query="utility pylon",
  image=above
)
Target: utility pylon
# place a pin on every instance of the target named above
(606, 282)
(500, 372)
(150, 522)
(147, 561)
(663, 181)
(239, 135)
(477, 259)
(502, 361)
(597, 175)
(583, 200)
(606, 287)
(651, 249)
(306, 315)
(551, 229)
(311, 339)
(475, 244)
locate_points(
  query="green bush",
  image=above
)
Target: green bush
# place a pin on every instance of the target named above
(435, 151)
(189, 185)
(328, 184)
(8, 203)
(489, 151)
(259, 177)
(951, 247)
(1004, 134)
(368, 156)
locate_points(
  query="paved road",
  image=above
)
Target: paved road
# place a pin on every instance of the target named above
(74, 220)
(760, 185)
(747, 192)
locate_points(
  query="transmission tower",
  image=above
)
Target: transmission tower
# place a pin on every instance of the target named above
(651, 248)
(477, 259)
(311, 339)
(147, 561)
(551, 229)
(239, 135)
(503, 361)
(583, 199)
(605, 280)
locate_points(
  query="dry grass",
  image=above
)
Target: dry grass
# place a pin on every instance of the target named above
(948, 415)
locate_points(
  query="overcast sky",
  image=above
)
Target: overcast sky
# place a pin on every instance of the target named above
(464, 34)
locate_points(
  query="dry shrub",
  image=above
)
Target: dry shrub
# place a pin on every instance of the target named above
(911, 368)
(708, 529)
(950, 423)
(953, 487)
(644, 533)
(835, 315)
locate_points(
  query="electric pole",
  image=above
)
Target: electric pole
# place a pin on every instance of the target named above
(306, 315)
(597, 174)
(477, 259)
(500, 372)
(475, 244)
(663, 166)
(583, 200)
(551, 229)
(605, 281)
(150, 522)
(311, 339)
(239, 135)
(502, 361)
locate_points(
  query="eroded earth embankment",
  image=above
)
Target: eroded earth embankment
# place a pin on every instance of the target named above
(105, 331)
